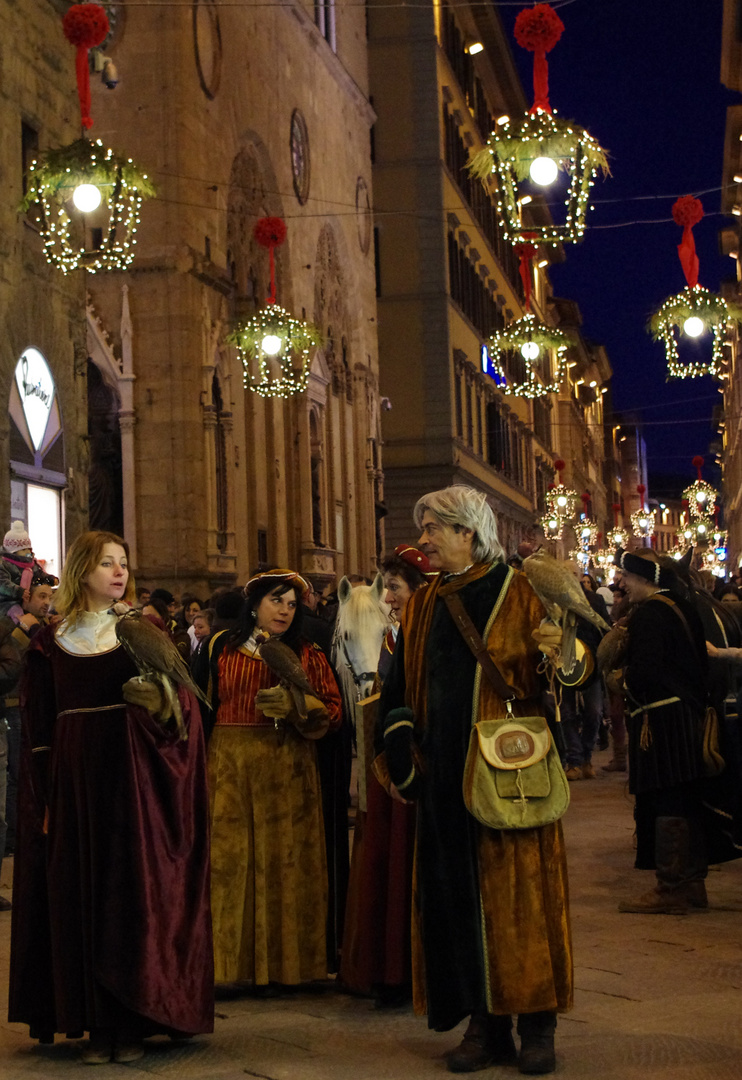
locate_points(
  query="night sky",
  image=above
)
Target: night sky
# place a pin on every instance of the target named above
(643, 77)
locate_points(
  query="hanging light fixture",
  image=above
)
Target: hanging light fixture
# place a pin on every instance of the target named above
(693, 312)
(700, 495)
(618, 537)
(561, 500)
(540, 146)
(276, 350)
(529, 340)
(88, 197)
(643, 521)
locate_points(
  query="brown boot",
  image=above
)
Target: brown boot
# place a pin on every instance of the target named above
(488, 1040)
(680, 869)
(617, 762)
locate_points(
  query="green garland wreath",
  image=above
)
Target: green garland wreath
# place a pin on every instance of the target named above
(518, 333)
(715, 311)
(510, 155)
(287, 372)
(51, 181)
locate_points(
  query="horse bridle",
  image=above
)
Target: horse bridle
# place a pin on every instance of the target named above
(365, 676)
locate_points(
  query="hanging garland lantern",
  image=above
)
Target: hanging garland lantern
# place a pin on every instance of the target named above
(552, 526)
(694, 310)
(541, 145)
(89, 198)
(89, 202)
(529, 342)
(643, 521)
(276, 350)
(618, 537)
(700, 496)
(561, 500)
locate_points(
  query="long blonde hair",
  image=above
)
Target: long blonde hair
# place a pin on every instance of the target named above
(82, 558)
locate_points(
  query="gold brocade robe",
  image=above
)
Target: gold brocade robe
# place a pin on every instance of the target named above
(490, 920)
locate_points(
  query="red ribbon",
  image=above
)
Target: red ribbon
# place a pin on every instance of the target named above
(540, 82)
(688, 257)
(83, 85)
(526, 253)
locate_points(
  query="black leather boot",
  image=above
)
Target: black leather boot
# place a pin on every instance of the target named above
(488, 1040)
(536, 1032)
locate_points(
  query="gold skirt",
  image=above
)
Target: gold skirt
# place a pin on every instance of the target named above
(268, 862)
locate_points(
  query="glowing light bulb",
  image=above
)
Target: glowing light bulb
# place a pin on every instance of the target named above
(687, 534)
(562, 500)
(552, 524)
(694, 326)
(701, 496)
(643, 523)
(271, 344)
(529, 350)
(702, 528)
(543, 171)
(86, 197)
(585, 534)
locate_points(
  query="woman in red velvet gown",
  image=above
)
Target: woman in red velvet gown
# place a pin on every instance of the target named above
(111, 932)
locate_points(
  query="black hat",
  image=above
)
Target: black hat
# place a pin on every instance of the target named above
(162, 594)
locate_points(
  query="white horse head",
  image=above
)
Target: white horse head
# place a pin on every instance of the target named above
(362, 621)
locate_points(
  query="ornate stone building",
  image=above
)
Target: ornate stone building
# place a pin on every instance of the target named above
(236, 113)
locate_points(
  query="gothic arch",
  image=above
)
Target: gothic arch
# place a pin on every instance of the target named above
(253, 193)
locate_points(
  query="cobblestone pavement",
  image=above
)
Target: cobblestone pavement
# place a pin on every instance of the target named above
(658, 997)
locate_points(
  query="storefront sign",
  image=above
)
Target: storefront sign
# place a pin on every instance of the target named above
(36, 388)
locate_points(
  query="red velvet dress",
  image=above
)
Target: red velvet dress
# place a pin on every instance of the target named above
(111, 922)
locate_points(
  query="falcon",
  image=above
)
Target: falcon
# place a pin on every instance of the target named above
(561, 594)
(157, 660)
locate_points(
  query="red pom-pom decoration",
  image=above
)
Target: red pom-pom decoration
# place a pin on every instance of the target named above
(687, 211)
(270, 232)
(641, 488)
(616, 506)
(559, 464)
(538, 28)
(698, 461)
(85, 25)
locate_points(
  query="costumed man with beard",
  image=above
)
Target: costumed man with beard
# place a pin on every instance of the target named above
(490, 922)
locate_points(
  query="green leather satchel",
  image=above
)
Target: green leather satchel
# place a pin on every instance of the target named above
(513, 778)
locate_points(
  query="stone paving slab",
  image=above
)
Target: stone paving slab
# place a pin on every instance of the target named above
(657, 997)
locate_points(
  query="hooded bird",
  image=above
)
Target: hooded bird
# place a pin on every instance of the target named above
(565, 602)
(157, 660)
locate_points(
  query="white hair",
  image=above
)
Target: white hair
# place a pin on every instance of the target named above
(465, 507)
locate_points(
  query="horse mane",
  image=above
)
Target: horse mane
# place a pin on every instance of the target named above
(361, 613)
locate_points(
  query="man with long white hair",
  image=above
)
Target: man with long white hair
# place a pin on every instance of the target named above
(491, 932)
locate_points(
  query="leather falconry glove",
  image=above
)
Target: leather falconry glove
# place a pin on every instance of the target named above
(147, 695)
(278, 704)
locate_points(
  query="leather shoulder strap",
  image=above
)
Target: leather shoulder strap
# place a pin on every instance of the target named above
(471, 636)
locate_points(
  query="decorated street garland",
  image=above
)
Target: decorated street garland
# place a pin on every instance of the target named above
(540, 145)
(618, 537)
(552, 526)
(276, 350)
(561, 500)
(701, 496)
(530, 339)
(694, 310)
(103, 236)
(643, 521)
(89, 197)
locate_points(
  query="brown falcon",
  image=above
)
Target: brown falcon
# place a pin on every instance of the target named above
(561, 594)
(157, 660)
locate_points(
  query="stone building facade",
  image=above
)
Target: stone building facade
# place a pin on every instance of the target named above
(236, 113)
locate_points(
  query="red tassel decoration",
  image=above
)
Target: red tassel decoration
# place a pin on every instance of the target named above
(85, 26)
(525, 252)
(641, 489)
(270, 232)
(698, 463)
(560, 466)
(538, 29)
(687, 212)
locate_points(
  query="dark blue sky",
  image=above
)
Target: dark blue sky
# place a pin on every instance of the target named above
(643, 76)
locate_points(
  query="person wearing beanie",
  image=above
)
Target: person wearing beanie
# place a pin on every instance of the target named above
(17, 570)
